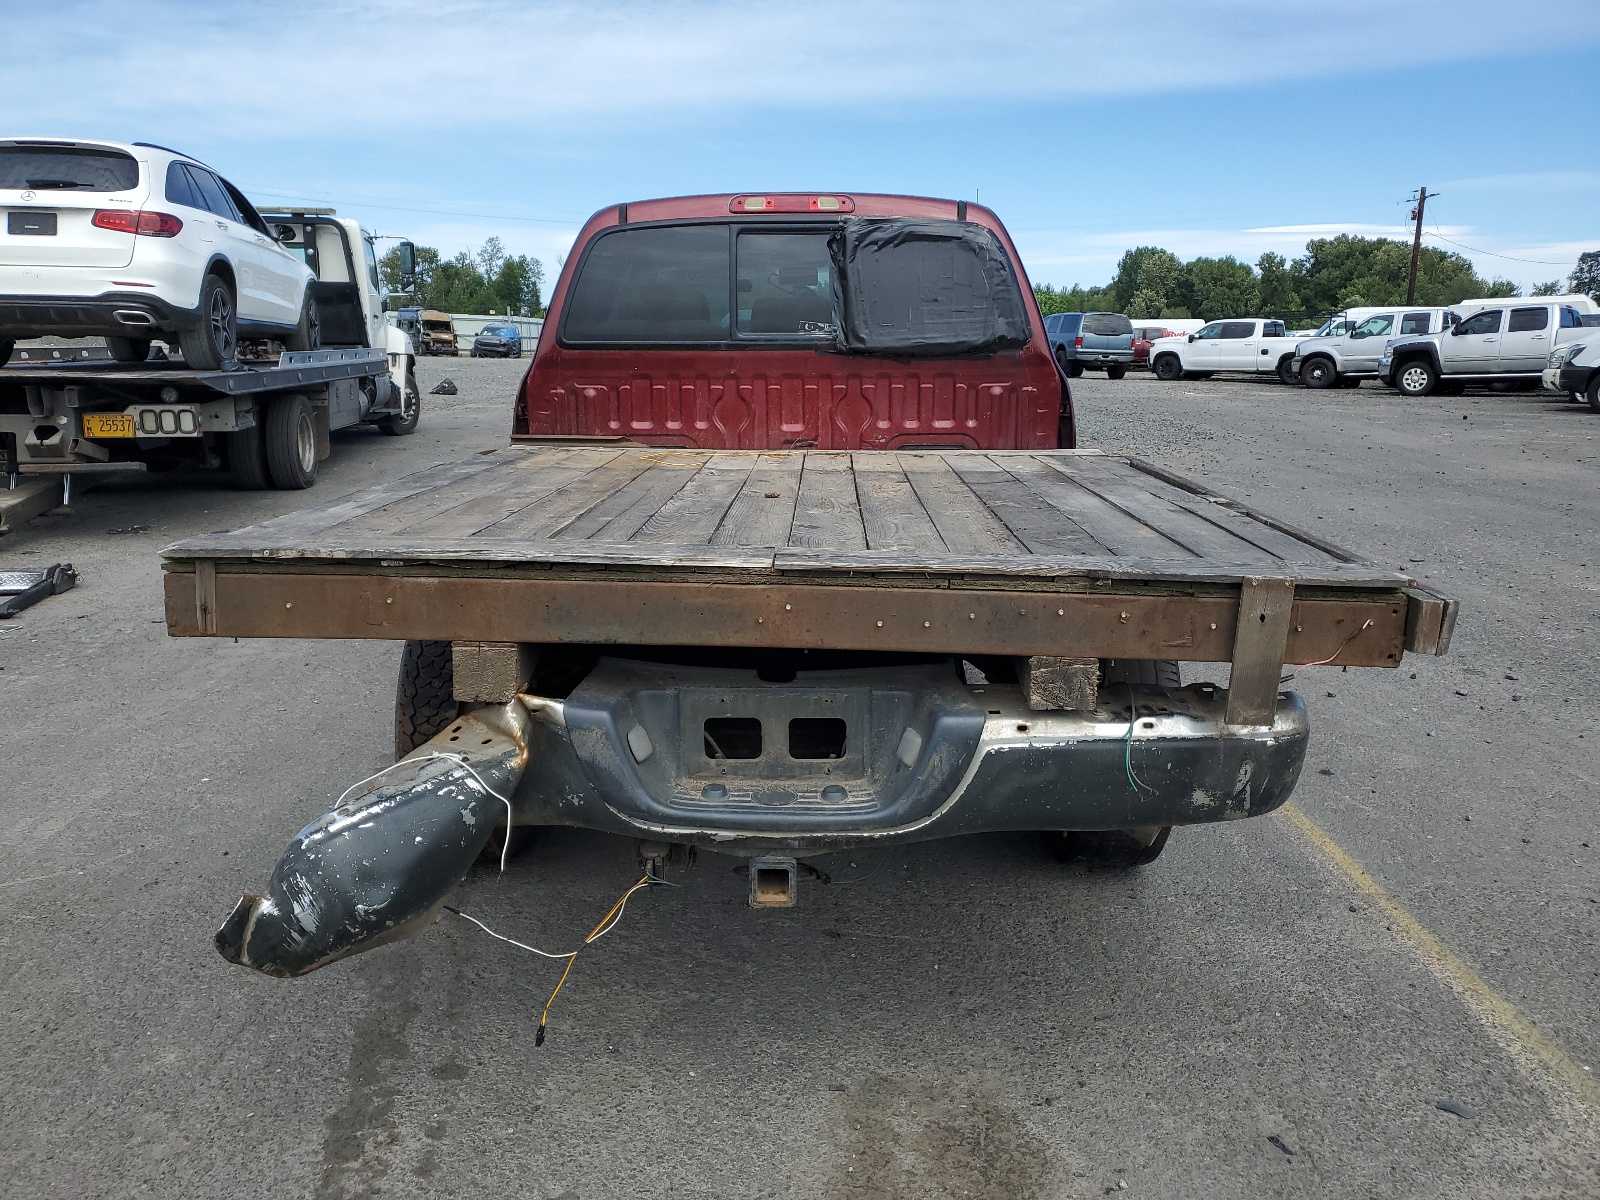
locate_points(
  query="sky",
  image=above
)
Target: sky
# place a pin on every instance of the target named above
(1224, 127)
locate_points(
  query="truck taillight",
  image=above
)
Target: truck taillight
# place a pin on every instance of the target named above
(150, 224)
(1077, 343)
(791, 204)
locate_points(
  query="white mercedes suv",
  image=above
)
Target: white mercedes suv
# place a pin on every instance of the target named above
(134, 243)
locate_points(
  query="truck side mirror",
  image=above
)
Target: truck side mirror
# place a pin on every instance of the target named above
(407, 253)
(1191, 337)
(284, 233)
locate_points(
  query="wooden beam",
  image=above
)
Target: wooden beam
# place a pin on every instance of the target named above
(1260, 646)
(1066, 624)
(1059, 684)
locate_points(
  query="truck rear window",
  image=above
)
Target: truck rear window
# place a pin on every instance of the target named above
(1107, 325)
(911, 287)
(67, 168)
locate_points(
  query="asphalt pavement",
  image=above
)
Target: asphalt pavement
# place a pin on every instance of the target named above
(1276, 1007)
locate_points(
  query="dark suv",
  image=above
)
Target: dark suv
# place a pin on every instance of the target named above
(1093, 341)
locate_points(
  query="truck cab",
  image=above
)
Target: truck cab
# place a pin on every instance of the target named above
(1504, 341)
(795, 320)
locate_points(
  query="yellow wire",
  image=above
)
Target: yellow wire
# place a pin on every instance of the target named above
(616, 908)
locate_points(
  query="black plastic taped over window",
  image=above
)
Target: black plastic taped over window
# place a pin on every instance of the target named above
(915, 287)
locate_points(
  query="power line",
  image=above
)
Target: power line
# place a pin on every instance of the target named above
(1538, 262)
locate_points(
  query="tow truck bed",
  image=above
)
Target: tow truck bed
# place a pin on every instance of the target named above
(1019, 553)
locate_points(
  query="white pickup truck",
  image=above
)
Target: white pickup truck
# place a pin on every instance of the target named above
(1345, 359)
(1255, 346)
(1506, 342)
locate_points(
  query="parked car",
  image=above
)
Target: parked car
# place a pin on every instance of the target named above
(1254, 345)
(498, 341)
(1575, 369)
(1101, 341)
(1345, 359)
(1508, 344)
(1143, 335)
(135, 243)
(785, 321)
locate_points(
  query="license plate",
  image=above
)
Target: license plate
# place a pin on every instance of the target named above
(30, 223)
(109, 425)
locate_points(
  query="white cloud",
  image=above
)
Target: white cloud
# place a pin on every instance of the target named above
(319, 69)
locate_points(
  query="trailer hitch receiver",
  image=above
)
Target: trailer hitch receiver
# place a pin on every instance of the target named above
(377, 867)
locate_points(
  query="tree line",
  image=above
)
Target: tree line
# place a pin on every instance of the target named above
(1334, 273)
(487, 280)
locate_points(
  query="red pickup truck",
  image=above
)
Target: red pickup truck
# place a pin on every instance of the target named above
(796, 321)
(856, 588)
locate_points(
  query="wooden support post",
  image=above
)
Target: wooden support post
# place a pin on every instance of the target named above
(490, 672)
(205, 596)
(1059, 684)
(1259, 640)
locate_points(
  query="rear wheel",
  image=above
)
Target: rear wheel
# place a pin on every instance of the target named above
(1286, 372)
(291, 437)
(1167, 367)
(307, 334)
(1594, 391)
(128, 350)
(216, 339)
(410, 411)
(247, 458)
(1116, 372)
(424, 699)
(1141, 672)
(1109, 848)
(1416, 378)
(1318, 373)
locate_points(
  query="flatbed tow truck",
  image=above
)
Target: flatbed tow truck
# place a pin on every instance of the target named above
(71, 417)
(791, 552)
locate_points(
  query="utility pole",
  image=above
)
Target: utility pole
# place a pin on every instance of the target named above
(1416, 244)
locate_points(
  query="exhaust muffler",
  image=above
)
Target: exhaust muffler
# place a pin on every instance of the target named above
(377, 867)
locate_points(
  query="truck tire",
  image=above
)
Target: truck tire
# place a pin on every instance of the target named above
(1116, 372)
(307, 334)
(410, 411)
(1105, 848)
(291, 439)
(1141, 672)
(1287, 375)
(216, 340)
(1416, 378)
(424, 699)
(1594, 391)
(128, 350)
(1318, 373)
(1167, 367)
(247, 458)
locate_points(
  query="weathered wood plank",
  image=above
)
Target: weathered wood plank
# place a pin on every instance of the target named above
(1039, 527)
(623, 513)
(559, 508)
(763, 511)
(962, 519)
(692, 516)
(1260, 646)
(463, 509)
(1239, 523)
(891, 512)
(1129, 494)
(828, 514)
(1119, 532)
(430, 480)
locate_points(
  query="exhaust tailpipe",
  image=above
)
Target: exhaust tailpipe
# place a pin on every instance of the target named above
(377, 868)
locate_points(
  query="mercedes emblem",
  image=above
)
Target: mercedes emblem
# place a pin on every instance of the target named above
(27, 195)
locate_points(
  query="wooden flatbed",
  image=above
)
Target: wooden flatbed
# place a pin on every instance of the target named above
(1054, 553)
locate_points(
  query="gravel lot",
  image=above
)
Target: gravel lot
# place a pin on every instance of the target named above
(957, 1019)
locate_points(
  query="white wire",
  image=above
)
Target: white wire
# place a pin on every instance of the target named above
(615, 920)
(505, 847)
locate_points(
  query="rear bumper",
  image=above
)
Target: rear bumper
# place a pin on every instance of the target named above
(925, 758)
(113, 314)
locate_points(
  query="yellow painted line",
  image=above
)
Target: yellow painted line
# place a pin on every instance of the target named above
(1511, 1028)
